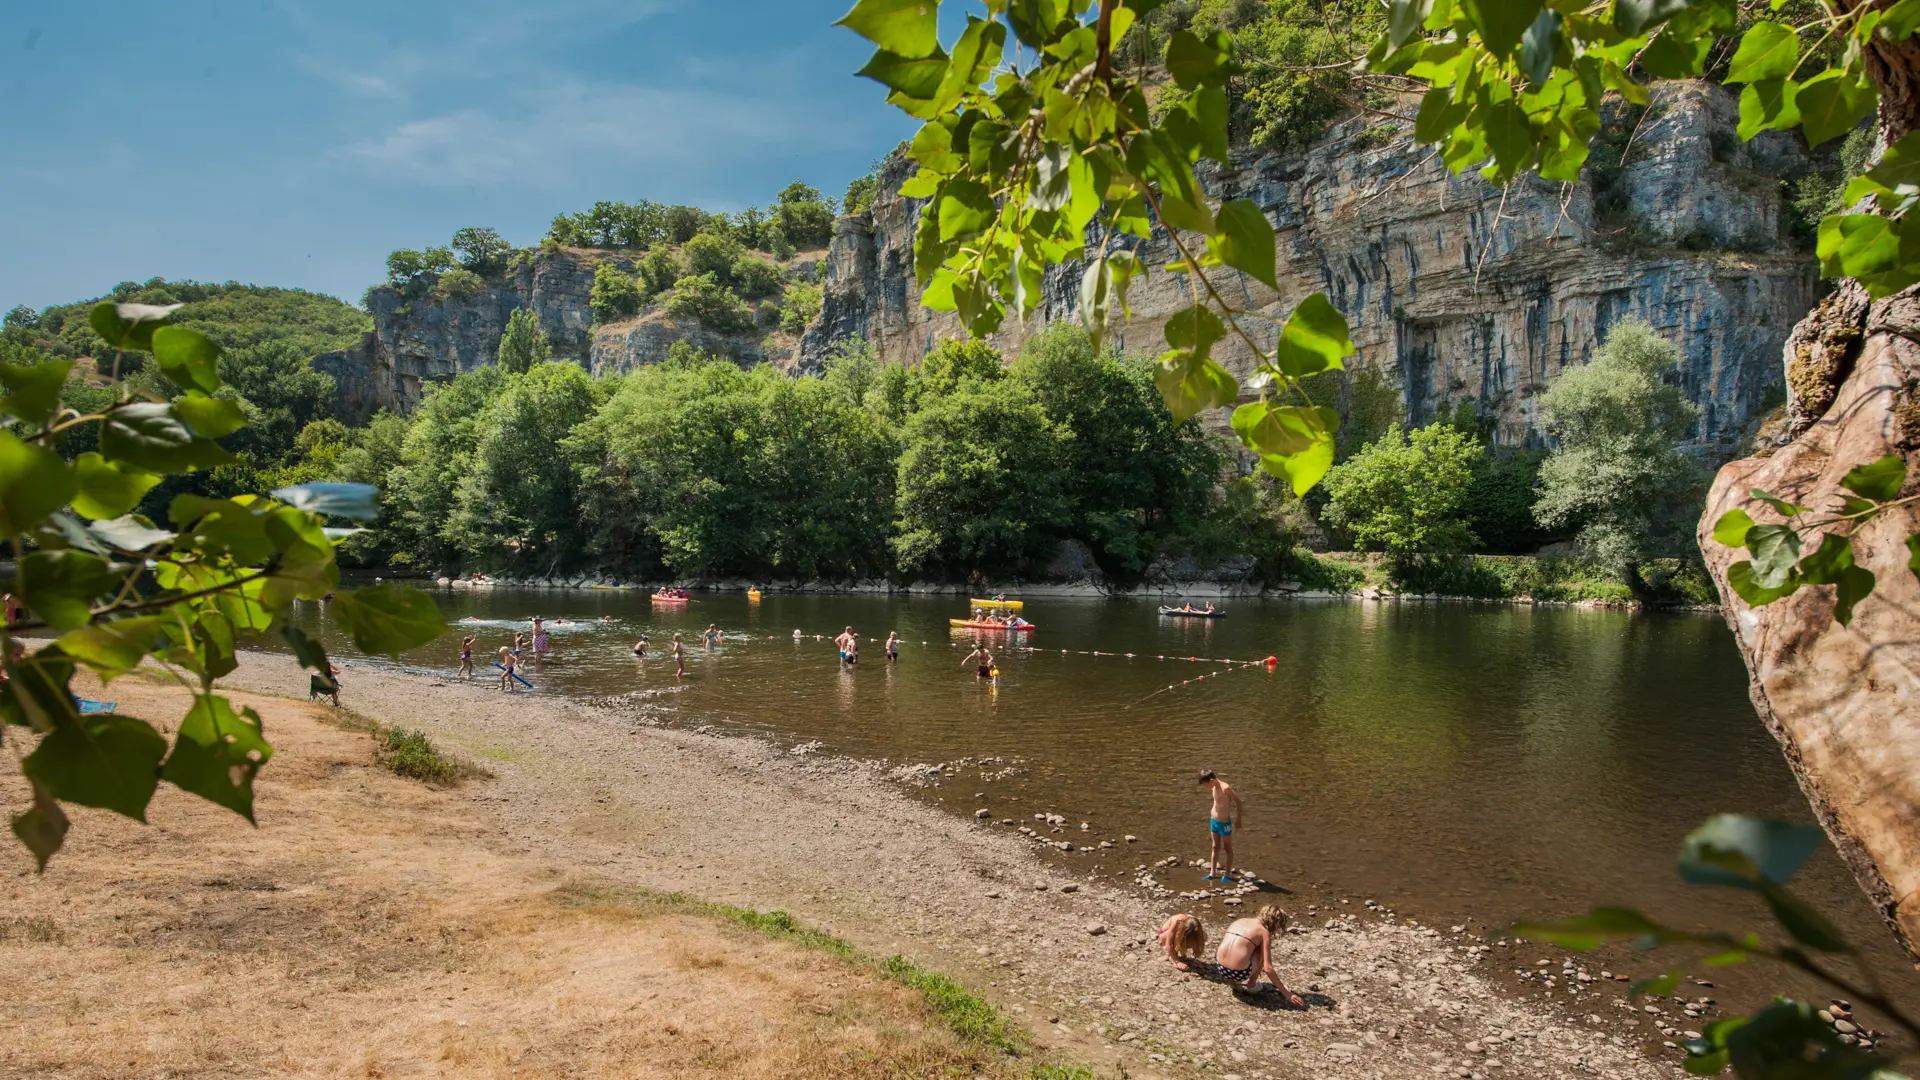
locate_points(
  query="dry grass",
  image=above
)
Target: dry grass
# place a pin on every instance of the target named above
(370, 927)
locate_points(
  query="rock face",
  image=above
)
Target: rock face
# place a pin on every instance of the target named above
(1843, 700)
(1456, 291)
(415, 344)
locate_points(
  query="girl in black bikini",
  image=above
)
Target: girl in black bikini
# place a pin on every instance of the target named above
(1246, 951)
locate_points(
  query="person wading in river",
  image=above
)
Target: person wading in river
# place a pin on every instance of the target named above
(1221, 821)
(849, 643)
(1246, 952)
(980, 653)
(679, 658)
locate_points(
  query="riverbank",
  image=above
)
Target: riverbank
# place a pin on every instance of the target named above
(1672, 584)
(602, 791)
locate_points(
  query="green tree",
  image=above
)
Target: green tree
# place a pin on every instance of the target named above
(438, 454)
(982, 483)
(515, 503)
(755, 278)
(680, 223)
(704, 298)
(1616, 474)
(1137, 476)
(712, 253)
(614, 294)
(481, 250)
(804, 216)
(953, 362)
(524, 345)
(1404, 493)
(658, 271)
(799, 306)
(412, 273)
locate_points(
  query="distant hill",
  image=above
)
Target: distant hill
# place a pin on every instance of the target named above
(234, 315)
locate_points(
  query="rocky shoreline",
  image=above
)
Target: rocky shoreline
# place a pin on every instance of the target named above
(612, 790)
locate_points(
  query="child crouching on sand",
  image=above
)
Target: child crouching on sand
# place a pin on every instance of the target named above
(1184, 939)
(1246, 951)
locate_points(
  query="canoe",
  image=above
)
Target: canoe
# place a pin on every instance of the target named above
(969, 624)
(614, 588)
(662, 598)
(1007, 605)
(1176, 613)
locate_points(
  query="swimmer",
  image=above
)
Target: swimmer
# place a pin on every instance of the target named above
(640, 647)
(712, 636)
(679, 658)
(981, 654)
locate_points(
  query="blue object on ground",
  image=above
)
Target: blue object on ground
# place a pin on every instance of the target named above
(96, 706)
(515, 674)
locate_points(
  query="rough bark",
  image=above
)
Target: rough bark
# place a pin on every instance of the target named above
(1844, 701)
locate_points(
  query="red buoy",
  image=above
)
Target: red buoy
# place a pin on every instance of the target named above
(1272, 662)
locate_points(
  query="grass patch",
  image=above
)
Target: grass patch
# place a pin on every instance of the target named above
(412, 754)
(974, 1019)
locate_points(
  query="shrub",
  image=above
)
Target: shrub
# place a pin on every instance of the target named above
(682, 222)
(411, 272)
(658, 271)
(412, 754)
(455, 284)
(755, 278)
(524, 344)
(711, 253)
(703, 297)
(800, 305)
(614, 295)
(804, 216)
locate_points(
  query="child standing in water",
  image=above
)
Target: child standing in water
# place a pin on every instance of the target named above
(679, 658)
(507, 659)
(466, 657)
(1221, 821)
(712, 636)
(893, 646)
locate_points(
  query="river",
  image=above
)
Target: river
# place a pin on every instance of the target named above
(1460, 763)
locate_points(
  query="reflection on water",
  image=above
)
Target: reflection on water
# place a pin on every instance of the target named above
(1451, 760)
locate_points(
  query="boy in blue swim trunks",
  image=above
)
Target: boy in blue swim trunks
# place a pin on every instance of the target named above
(1225, 815)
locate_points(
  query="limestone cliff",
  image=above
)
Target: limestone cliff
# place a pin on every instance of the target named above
(1455, 290)
(414, 344)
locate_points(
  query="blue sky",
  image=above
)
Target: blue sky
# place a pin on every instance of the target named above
(296, 142)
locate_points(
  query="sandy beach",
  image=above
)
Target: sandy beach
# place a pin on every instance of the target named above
(602, 793)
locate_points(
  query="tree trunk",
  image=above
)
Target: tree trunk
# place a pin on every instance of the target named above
(1845, 701)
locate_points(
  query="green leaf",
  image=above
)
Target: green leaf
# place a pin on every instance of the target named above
(1832, 103)
(188, 357)
(1871, 248)
(1190, 385)
(974, 58)
(1775, 548)
(60, 586)
(1509, 134)
(1740, 578)
(1500, 22)
(1193, 60)
(1438, 115)
(1243, 239)
(1096, 299)
(966, 209)
(1039, 23)
(1900, 20)
(1879, 481)
(100, 759)
(112, 649)
(1540, 45)
(1781, 506)
(209, 416)
(107, 490)
(915, 77)
(1745, 852)
(34, 482)
(1893, 178)
(311, 654)
(1315, 339)
(1635, 16)
(1194, 328)
(906, 27)
(361, 502)
(42, 828)
(1658, 986)
(1768, 105)
(1731, 529)
(1674, 56)
(217, 754)
(1768, 50)
(1584, 933)
(388, 619)
(1833, 564)
(129, 533)
(1797, 918)
(150, 436)
(1913, 554)
(33, 390)
(1294, 443)
(1404, 18)
(36, 692)
(129, 326)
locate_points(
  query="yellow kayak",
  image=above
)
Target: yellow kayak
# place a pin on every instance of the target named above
(753, 594)
(1008, 605)
(971, 625)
